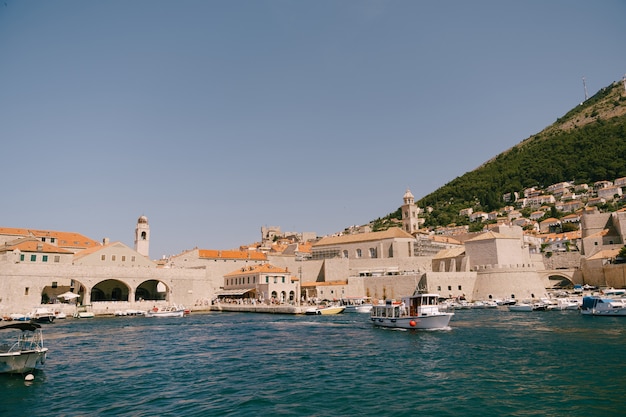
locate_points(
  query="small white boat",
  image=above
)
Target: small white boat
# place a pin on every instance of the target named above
(316, 311)
(24, 354)
(357, 304)
(42, 315)
(19, 317)
(84, 312)
(167, 311)
(129, 312)
(598, 306)
(419, 311)
(520, 307)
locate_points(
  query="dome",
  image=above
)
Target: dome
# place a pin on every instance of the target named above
(408, 194)
(143, 219)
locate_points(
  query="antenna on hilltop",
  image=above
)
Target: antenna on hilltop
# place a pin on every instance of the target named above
(585, 86)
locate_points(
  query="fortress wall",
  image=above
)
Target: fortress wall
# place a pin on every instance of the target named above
(502, 282)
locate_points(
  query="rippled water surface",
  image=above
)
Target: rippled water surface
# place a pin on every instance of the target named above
(489, 363)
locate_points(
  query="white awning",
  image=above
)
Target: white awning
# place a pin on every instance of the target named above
(238, 291)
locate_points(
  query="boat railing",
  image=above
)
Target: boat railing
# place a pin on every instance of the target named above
(28, 342)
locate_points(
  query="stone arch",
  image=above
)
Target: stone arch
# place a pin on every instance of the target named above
(560, 281)
(110, 290)
(153, 290)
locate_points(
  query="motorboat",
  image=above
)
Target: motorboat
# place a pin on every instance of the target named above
(25, 353)
(167, 311)
(19, 317)
(84, 312)
(129, 312)
(42, 315)
(357, 304)
(599, 306)
(324, 310)
(419, 311)
(524, 306)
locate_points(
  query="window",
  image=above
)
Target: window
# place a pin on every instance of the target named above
(449, 287)
(52, 240)
(54, 284)
(123, 258)
(57, 258)
(345, 253)
(26, 291)
(275, 280)
(33, 258)
(267, 279)
(44, 258)
(132, 259)
(112, 257)
(438, 287)
(283, 280)
(21, 257)
(358, 253)
(103, 257)
(460, 288)
(372, 252)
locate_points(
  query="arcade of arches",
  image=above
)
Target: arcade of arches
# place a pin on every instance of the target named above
(110, 290)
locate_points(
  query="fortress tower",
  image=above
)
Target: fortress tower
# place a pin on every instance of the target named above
(142, 236)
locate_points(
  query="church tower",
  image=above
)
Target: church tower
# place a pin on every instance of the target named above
(410, 222)
(142, 236)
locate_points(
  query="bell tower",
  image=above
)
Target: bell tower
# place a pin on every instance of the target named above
(410, 212)
(142, 236)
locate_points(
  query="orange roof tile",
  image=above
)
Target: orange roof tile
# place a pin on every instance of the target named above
(231, 254)
(257, 269)
(32, 245)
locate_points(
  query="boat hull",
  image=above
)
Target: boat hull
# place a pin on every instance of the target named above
(178, 313)
(438, 321)
(22, 361)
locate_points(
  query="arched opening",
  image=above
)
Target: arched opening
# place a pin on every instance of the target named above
(64, 291)
(153, 290)
(110, 290)
(560, 282)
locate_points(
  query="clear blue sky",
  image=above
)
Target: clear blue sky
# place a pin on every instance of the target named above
(214, 118)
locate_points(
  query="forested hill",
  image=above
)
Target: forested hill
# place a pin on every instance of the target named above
(587, 144)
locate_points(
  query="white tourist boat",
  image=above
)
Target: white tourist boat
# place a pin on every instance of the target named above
(167, 311)
(24, 353)
(419, 311)
(599, 306)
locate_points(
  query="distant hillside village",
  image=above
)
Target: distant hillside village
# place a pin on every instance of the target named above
(513, 256)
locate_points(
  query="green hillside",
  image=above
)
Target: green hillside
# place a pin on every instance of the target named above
(587, 144)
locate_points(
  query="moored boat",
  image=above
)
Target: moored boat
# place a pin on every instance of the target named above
(84, 312)
(167, 311)
(42, 315)
(357, 304)
(419, 311)
(24, 354)
(599, 306)
(328, 310)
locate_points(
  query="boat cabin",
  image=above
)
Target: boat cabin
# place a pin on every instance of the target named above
(416, 305)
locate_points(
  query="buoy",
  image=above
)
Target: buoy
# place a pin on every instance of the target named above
(412, 323)
(29, 377)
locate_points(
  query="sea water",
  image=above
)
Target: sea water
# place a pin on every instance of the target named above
(488, 363)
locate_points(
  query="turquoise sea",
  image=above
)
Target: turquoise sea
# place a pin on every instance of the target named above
(489, 363)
